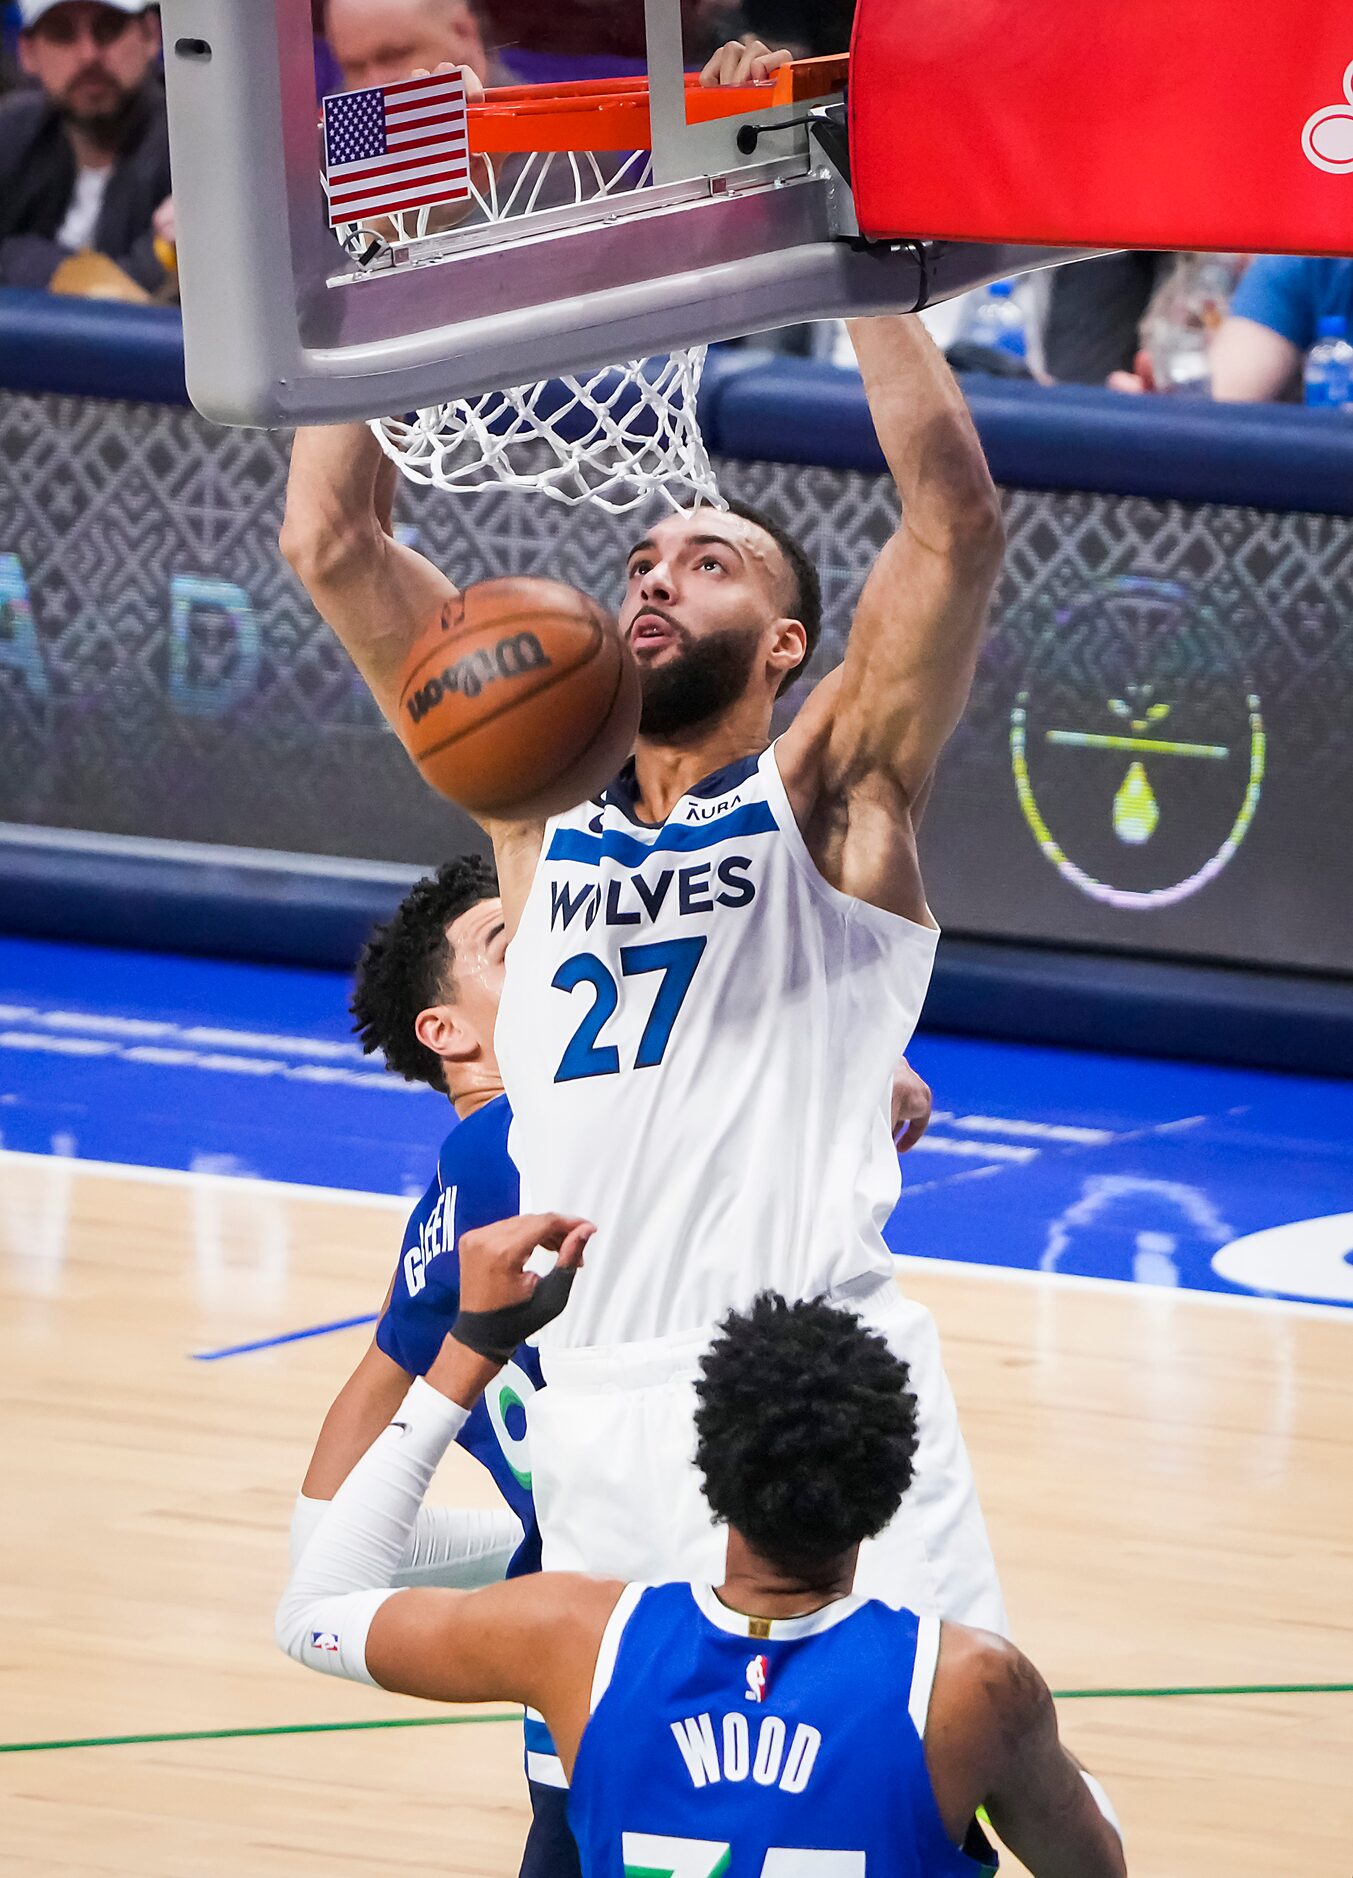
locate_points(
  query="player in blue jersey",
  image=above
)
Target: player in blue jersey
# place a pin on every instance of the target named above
(426, 995)
(777, 1724)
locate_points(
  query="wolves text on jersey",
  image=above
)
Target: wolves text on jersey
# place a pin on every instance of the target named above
(629, 900)
(768, 1753)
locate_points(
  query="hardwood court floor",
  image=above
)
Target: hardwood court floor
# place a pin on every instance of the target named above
(1166, 1479)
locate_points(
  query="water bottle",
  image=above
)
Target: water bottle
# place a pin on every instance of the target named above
(1183, 315)
(1329, 366)
(996, 321)
(1179, 358)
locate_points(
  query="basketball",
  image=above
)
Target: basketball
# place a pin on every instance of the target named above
(522, 700)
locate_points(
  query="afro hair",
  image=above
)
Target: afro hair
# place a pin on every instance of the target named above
(805, 1430)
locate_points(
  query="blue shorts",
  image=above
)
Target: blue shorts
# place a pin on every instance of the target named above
(551, 1850)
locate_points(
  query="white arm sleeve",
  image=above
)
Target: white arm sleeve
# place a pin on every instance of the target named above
(347, 1569)
(1103, 1802)
(458, 1546)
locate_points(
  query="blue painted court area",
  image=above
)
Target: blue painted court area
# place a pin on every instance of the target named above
(1108, 1167)
(204, 1064)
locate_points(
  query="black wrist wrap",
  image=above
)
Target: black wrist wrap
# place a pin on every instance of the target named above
(496, 1334)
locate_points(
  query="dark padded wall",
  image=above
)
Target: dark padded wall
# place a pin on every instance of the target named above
(161, 673)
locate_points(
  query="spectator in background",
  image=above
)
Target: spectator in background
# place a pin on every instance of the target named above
(1260, 349)
(1094, 312)
(548, 41)
(808, 29)
(379, 42)
(1180, 326)
(9, 73)
(84, 154)
(328, 78)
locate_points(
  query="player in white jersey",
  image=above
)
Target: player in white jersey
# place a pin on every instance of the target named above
(714, 968)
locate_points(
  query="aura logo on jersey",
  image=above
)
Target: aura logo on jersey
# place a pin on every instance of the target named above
(1137, 744)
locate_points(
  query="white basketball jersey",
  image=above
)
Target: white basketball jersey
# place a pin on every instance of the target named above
(697, 1036)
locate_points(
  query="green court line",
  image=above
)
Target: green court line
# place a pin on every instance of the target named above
(1219, 1688)
(244, 1734)
(470, 1721)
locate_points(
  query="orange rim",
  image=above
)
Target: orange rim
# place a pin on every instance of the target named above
(612, 113)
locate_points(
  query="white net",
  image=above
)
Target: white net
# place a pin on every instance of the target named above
(616, 437)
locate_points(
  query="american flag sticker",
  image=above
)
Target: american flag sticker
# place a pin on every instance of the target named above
(396, 147)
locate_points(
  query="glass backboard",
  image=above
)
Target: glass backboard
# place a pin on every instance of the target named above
(666, 216)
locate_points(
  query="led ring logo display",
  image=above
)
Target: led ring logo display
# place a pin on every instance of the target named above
(1137, 744)
(1327, 136)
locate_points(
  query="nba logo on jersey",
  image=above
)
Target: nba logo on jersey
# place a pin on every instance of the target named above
(757, 1671)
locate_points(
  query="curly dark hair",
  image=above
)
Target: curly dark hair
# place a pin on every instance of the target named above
(805, 602)
(407, 964)
(805, 1431)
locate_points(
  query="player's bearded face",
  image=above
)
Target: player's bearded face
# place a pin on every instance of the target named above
(702, 678)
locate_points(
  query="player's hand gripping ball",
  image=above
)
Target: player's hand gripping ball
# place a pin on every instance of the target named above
(522, 701)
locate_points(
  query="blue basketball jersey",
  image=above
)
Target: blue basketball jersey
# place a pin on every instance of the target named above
(475, 1185)
(722, 1746)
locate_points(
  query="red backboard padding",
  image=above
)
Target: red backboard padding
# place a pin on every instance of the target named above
(1132, 124)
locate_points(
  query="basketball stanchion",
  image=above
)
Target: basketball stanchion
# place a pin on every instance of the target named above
(981, 143)
(633, 219)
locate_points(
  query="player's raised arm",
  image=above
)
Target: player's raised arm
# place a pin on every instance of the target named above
(448, 1545)
(859, 759)
(533, 1640)
(913, 643)
(376, 594)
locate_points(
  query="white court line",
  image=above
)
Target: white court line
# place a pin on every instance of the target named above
(176, 1055)
(192, 1177)
(1120, 1287)
(999, 1159)
(904, 1261)
(147, 1028)
(1038, 1131)
(992, 1151)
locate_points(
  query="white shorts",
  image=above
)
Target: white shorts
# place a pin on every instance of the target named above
(617, 1494)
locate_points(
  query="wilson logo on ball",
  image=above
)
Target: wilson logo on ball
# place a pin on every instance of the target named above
(520, 699)
(512, 657)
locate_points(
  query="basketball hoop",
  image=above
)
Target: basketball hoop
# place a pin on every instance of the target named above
(615, 436)
(621, 219)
